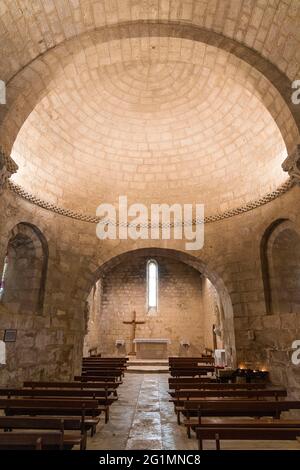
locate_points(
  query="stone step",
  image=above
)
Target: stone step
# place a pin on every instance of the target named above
(147, 369)
(147, 362)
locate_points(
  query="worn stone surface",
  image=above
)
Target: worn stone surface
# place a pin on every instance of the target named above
(230, 258)
(143, 418)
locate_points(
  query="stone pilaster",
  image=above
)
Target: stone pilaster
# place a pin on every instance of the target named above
(7, 168)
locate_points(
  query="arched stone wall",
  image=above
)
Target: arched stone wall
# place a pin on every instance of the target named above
(231, 251)
(281, 267)
(198, 265)
(25, 279)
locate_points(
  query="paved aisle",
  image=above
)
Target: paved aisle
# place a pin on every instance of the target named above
(143, 418)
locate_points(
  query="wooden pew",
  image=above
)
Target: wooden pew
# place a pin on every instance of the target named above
(258, 432)
(196, 410)
(109, 369)
(31, 440)
(44, 423)
(107, 358)
(104, 397)
(51, 407)
(191, 371)
(193, 380)
(193, 385)
(73, 385)
(191, 360)
(179, 396)
(103, 367)
(105, 361)
(97, 378)
(116, 373)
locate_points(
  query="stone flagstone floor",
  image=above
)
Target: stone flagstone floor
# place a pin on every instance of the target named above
(143, 418)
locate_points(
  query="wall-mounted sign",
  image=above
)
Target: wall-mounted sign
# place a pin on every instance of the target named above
(10, 336)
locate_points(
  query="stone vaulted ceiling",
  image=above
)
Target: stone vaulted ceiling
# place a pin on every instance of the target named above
(159, 117)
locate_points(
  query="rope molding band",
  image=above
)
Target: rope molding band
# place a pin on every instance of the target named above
(21, 192)
(93, 219)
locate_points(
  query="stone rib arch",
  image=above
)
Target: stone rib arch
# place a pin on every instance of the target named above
(56, 67)
(42, 70)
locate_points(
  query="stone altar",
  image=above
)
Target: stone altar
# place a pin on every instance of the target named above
(151, 348)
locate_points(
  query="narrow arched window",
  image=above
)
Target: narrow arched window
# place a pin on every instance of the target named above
(152, 284)
(2, 280)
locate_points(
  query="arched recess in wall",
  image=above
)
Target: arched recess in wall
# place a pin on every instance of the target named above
(280, 259)
(226, 309)
(26, 270)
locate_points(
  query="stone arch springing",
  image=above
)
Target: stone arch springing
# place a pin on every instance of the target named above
(280, 261)
(26, 270)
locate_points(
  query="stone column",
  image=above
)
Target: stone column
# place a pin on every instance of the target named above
(7, 168)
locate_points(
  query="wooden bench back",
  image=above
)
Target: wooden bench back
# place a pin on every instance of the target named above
(266, 393)
(225, 407)
(52, 406)
(204, 380)
(76, 385)
(30, 422)
(31, 440)
(71, 393)
(103, 360)
(251, 433)
(104, 372)
(95, 378)
(214, 385)
(192, 360)
(191, 371)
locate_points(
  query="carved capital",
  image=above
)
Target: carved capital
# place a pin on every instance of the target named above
(7, 168)
(292, 165)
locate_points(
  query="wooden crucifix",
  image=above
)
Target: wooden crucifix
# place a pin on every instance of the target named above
(133, 322)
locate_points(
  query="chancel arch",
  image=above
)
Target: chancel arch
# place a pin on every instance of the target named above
(192, 299)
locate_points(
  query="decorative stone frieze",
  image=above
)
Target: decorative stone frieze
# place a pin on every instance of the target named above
(93, 219)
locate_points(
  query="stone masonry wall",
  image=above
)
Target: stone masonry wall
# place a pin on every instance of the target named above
(181, 313)
(231, 260)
